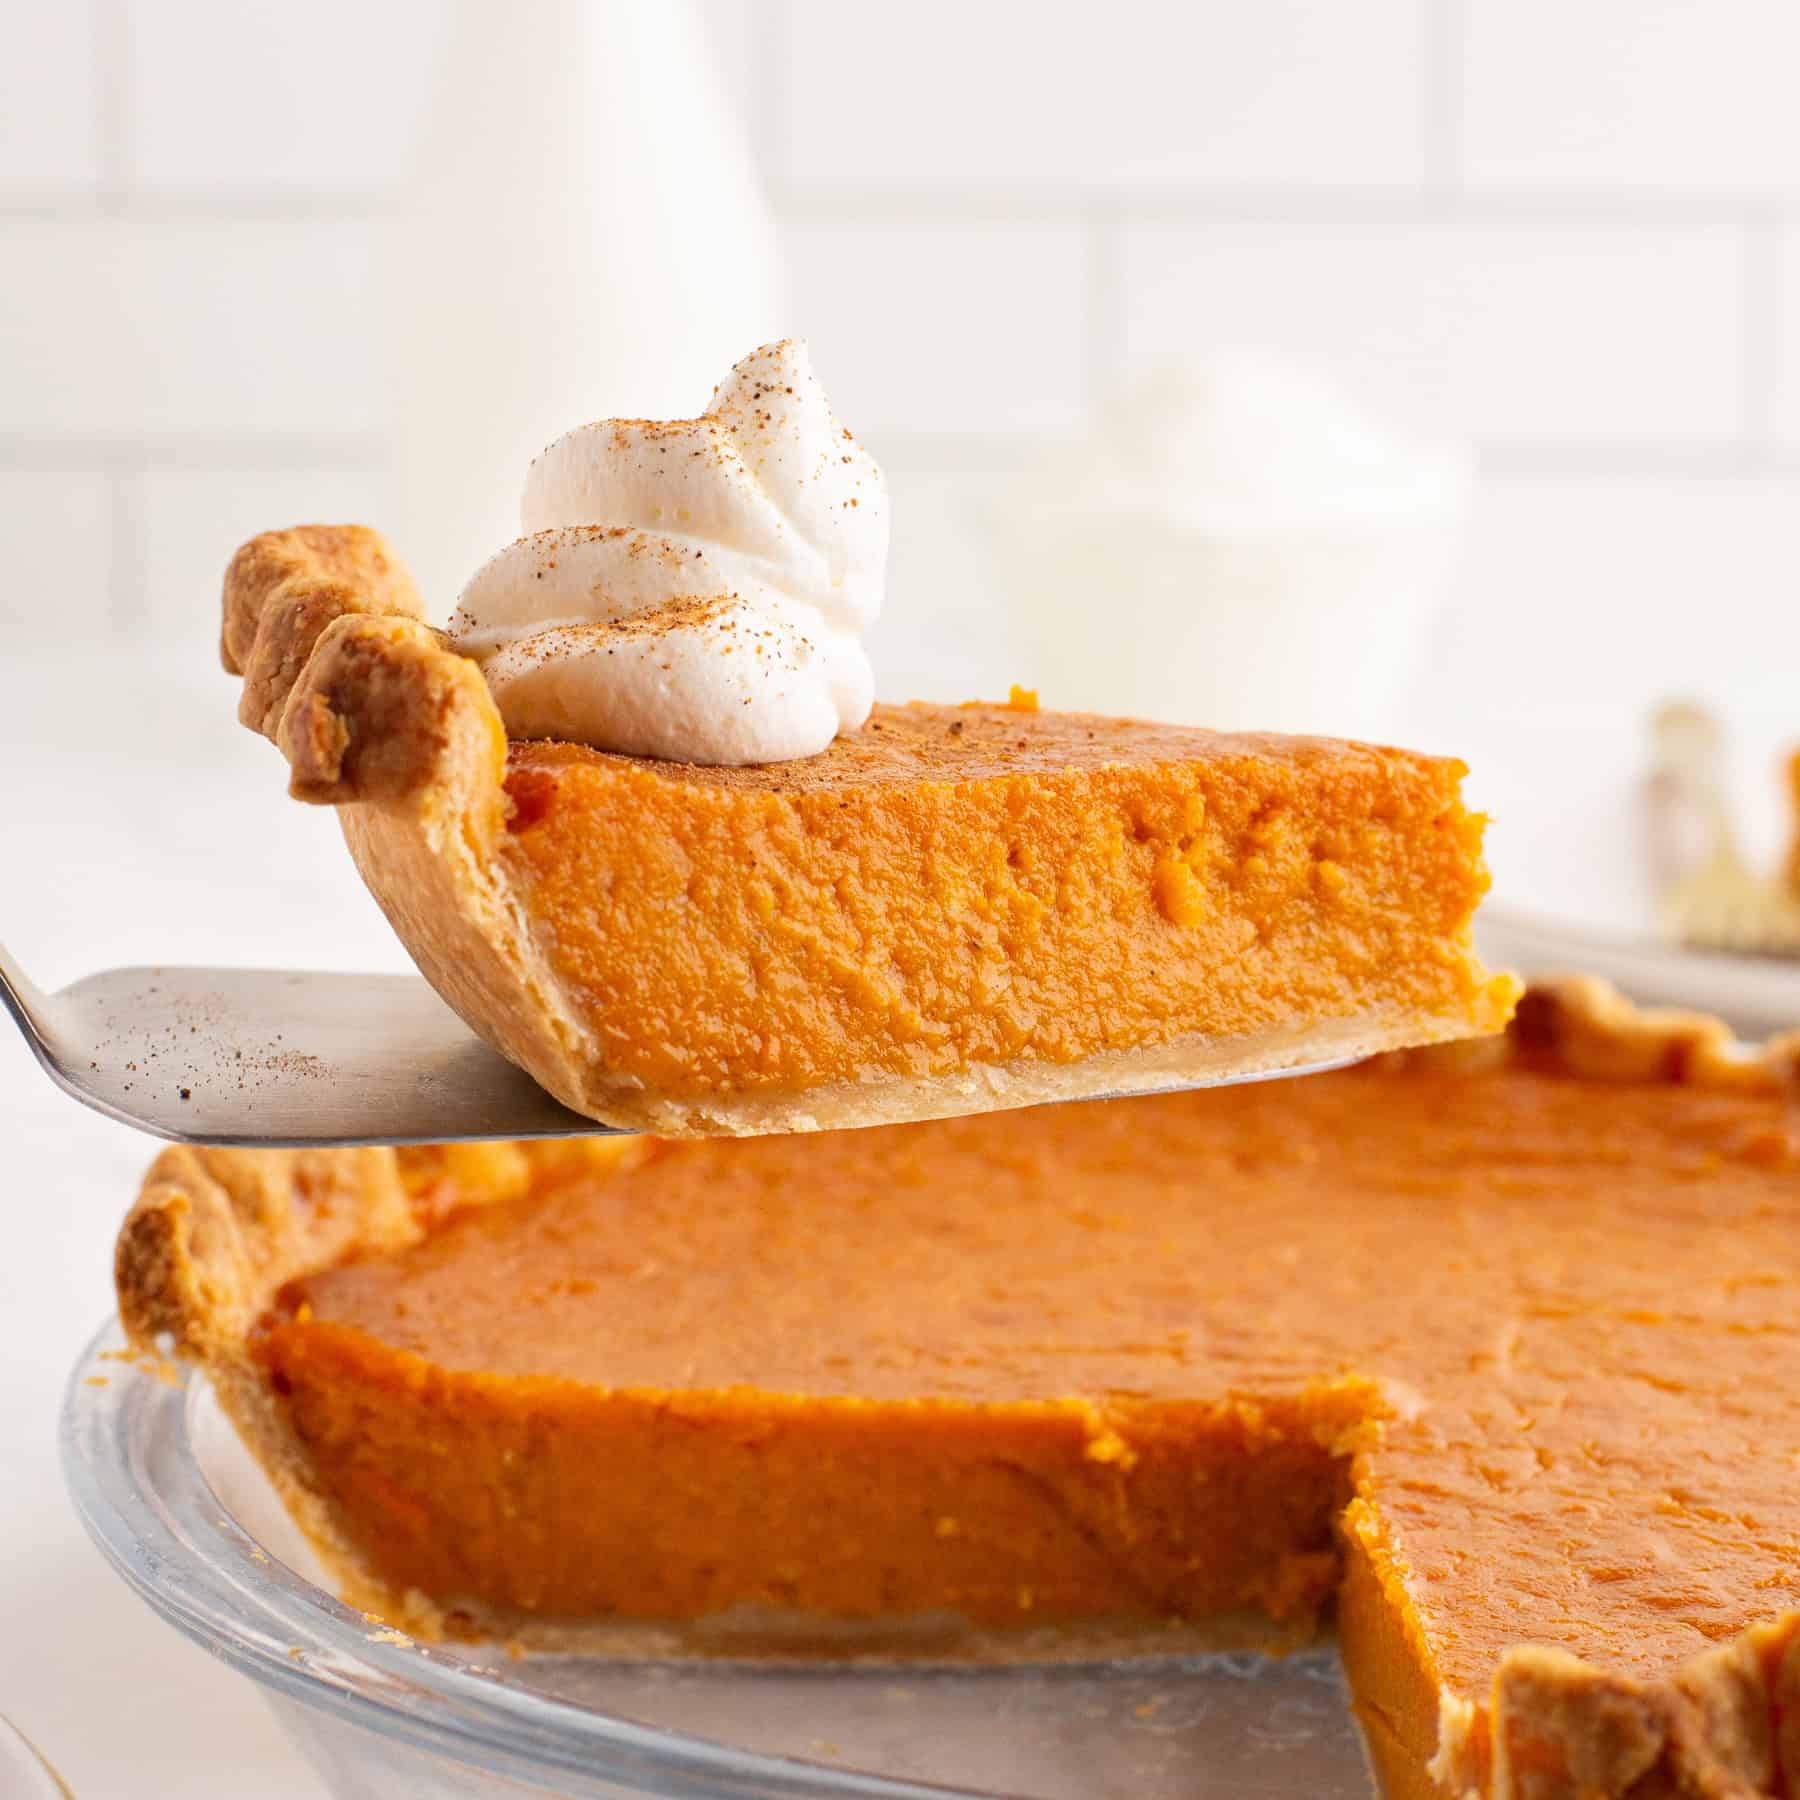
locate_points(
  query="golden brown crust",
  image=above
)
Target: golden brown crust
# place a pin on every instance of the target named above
(1721, 1728)
(284, 589)
(341, 674)
(1583, 1026)
(213, 1236)
(383, 712)
(216, 1234)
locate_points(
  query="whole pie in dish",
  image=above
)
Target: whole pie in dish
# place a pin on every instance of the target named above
(952, 909)
(1496, 1345)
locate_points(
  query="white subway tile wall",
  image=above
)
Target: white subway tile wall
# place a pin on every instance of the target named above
(1781, 272)
(155, 331)
(960, 327)
(190, 519)
(242, 97)
(49, 122)
(56, 549)
(1058, 98)
(1572, 585)
(1656, 97)
(1517, 332)
(1567, 235)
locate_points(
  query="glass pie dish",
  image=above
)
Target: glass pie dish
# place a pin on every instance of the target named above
(184, 1515)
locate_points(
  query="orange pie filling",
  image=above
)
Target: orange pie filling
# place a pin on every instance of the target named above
(959, 887)
(1495, 1355)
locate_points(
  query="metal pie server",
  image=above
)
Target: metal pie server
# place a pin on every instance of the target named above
(279, 1057)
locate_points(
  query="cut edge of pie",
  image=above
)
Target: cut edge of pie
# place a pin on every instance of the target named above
(216, 1234)
(379, 716)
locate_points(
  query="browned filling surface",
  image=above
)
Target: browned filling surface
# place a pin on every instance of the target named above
(1128, 1359)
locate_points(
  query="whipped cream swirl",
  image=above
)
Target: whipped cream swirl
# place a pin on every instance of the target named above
(696, 590)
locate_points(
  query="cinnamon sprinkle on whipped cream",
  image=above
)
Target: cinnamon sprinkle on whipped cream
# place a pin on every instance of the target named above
(694, 589)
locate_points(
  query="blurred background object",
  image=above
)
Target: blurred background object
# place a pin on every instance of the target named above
(1709, 895)
(1687, 814)
(1236, 545)
(1660, 858)
(578, 234)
